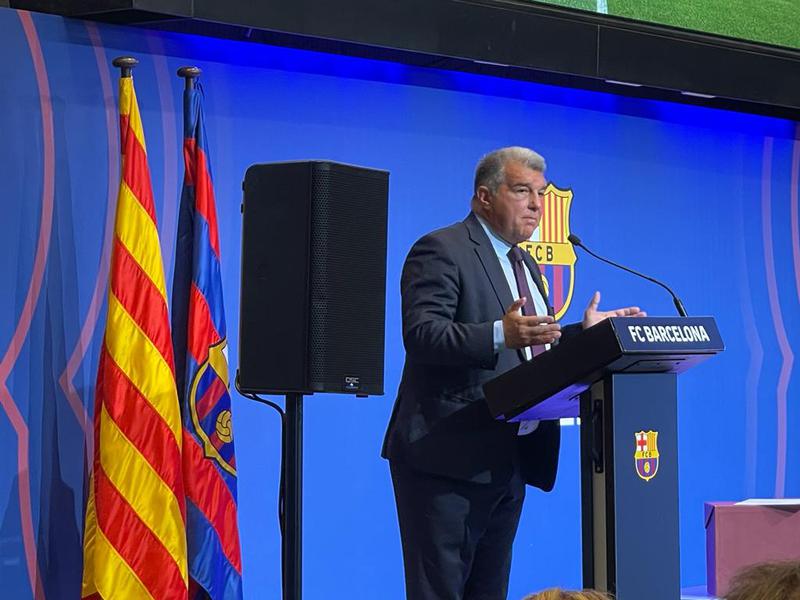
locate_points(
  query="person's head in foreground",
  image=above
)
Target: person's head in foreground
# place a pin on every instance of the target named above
(767, 581)
(559, 594)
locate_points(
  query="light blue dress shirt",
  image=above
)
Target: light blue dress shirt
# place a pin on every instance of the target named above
(501, 248)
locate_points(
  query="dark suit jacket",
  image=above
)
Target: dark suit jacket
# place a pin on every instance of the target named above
(453, 290)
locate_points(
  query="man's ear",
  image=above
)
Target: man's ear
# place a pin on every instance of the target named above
(484, 196)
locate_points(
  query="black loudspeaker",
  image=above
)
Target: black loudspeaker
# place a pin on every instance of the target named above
(313, 278)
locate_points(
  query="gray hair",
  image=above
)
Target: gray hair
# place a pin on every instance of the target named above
(490, 170)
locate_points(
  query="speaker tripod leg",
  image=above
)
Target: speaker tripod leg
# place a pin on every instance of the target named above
(292, 539)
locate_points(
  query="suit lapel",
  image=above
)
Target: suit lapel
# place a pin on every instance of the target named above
(491, 265)
(488, 258)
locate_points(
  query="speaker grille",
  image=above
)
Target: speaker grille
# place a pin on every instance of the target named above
(348, 283)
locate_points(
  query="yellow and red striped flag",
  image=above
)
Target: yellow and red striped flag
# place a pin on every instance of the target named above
(135, 536)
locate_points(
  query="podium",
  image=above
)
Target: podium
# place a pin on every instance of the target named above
(620, 378)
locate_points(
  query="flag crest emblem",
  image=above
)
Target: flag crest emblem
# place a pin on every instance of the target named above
(646, 454)
(550, 247)
(210, 408)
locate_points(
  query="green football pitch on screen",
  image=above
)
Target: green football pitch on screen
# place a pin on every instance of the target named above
(768, 21)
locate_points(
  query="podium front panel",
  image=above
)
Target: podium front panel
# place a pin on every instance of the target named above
(645, 456)
(629, 487)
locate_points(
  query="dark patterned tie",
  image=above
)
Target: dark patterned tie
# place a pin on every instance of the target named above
(529, 308)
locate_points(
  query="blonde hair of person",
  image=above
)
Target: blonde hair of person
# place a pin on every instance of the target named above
(559, 594)
(767, 581)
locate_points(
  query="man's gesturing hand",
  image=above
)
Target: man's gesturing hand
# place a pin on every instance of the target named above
(592, 315)
(521, 331)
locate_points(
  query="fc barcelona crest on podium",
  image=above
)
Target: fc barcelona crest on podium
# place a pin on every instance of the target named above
(551, 249)
(646, 454)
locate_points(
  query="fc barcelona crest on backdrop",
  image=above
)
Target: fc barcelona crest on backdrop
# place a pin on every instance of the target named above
(646, 454)
(551, 249)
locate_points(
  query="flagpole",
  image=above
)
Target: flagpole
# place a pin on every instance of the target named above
(125, 64)
(134, 514)
(291, 462)
(189, 74)
(214, 551)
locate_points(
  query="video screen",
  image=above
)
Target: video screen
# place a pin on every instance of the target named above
(766, 21)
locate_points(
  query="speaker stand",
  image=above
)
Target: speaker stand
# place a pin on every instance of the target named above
(292, 538)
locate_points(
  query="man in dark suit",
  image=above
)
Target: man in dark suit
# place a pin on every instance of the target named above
(473, 307)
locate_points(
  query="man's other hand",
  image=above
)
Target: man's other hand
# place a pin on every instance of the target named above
(592, 316)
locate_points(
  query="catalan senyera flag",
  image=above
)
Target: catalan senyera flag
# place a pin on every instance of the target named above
(135, 528)
(198, 320)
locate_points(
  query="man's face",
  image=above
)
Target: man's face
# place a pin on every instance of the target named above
(515, 209)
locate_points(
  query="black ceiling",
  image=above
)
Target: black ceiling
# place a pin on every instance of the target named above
(517, 39)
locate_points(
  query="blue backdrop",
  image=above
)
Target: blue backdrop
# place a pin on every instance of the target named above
(706, 199)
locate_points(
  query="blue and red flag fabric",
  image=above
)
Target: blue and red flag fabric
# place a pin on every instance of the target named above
(201, 369)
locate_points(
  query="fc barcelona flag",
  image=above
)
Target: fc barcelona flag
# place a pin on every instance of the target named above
(135, 536)
(198, 323)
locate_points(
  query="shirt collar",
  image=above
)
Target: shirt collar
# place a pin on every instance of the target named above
(501, 247)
